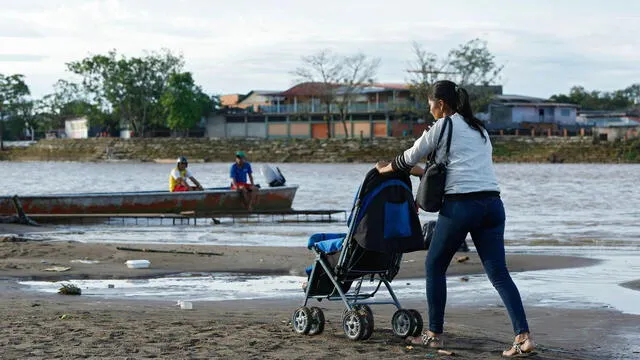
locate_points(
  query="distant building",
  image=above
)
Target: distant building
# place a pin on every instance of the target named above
(521, 112)
(256, 99)
(309, 97)
(230, 100)
(372, 110)
(77, 128)
(604, 118)
(619, 131)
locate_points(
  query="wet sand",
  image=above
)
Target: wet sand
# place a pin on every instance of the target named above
(44, 326)
(28, 260)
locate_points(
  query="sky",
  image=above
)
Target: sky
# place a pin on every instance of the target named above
(546, 46)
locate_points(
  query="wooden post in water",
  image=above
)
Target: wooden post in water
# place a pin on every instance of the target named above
(564, 132)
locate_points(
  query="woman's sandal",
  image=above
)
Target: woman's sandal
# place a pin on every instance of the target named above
(426, 340)
(517, 350)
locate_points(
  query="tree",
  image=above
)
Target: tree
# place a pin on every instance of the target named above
(470, 65)
(183, 102)
(129, 88)
(69, 100)
(331, 75)
(598, 100)
(358, 71)
(13, 91)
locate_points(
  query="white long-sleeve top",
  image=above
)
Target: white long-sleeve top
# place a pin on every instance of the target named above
(470, 166)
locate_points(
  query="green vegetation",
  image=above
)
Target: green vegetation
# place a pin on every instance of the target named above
(114, 92)
(598, 100)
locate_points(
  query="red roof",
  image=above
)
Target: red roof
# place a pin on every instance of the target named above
(317, 88)
(307, 89)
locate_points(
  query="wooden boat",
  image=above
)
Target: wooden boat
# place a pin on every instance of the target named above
(207, 202)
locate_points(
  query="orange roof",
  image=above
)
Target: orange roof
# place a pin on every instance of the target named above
(307, 89)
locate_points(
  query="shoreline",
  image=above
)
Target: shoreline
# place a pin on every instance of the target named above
(507, 149)
(27, 260)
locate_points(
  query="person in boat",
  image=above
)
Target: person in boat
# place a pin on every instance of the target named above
(179, 176)
(240, 173)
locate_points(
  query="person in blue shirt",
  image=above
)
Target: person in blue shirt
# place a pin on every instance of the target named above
(240, 173)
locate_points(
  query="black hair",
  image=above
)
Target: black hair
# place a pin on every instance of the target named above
(457, 99)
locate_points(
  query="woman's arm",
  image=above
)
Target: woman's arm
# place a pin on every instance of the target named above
(417, 171)
(385, 167)
(406, 161)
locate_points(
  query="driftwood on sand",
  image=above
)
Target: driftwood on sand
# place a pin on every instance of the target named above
(194, 252)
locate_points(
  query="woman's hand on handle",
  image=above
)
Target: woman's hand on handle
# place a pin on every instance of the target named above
(384, 167)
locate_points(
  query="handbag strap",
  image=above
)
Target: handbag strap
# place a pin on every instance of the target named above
(446, 154)
(433, 154)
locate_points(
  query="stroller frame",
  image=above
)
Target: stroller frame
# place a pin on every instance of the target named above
(357, 318)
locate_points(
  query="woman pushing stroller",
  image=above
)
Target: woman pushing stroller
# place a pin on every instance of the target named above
(472, 205)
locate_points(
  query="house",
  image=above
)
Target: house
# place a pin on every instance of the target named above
(312, 97)
(230, 100)
(520, 112)
(255, 99)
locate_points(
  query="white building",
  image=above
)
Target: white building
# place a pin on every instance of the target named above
(77, 128)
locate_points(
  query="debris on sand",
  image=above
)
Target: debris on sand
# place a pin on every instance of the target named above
(69, 289)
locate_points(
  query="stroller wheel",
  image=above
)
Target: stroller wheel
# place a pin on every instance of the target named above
(403, 323)
(354, 325)
(418, 319)
(317, 321)
(301, 320)
(365, 308)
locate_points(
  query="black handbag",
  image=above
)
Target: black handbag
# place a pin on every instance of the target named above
(431, 189)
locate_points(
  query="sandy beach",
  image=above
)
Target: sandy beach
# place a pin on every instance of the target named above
(45, 326)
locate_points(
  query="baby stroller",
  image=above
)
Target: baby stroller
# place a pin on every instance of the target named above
(382, 226)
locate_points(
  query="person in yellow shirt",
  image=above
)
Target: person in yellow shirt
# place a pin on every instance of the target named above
(179, 175)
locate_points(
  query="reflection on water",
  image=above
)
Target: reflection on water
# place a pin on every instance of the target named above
(547, 204)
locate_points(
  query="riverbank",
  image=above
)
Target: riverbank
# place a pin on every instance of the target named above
(29, 260)
(507, 149)
(41, 326)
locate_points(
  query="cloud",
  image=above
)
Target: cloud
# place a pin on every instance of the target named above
(546, 46)
(21, 57)
(16, 28)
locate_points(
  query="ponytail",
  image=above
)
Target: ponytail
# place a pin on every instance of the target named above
(463, 107)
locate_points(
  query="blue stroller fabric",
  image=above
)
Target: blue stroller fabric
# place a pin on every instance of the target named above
(387, 219)
(384, 220)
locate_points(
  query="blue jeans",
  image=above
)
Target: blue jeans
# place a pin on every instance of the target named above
(484, 219)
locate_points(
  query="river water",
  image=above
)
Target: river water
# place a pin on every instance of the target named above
(570, 209)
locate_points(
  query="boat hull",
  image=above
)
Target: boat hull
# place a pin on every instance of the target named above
(207, 202)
